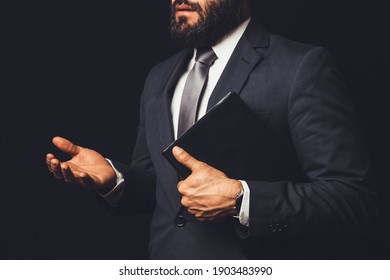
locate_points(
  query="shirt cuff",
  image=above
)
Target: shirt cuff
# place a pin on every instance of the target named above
(243, 216)
(114, 195)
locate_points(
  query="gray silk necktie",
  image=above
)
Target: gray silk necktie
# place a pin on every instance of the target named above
(194, 88)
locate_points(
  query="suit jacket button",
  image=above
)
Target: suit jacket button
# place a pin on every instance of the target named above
(180, 221)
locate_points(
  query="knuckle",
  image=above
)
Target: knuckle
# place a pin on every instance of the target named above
(184, 201)
(181, 186)
(186, 157)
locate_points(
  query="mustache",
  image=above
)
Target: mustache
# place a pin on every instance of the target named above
(194, 6)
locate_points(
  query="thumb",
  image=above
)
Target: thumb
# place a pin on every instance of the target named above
(186, 159)
(66, 146)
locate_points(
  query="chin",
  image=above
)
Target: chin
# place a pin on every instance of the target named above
(187, 21)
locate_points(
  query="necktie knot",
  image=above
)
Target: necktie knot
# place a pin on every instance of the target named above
(206, 56)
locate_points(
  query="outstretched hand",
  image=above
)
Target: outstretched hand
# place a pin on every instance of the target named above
(86, 168)
(207, 193)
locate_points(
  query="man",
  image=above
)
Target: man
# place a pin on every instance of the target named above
(294, 89)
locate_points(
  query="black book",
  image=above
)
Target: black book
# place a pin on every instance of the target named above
(231, 138)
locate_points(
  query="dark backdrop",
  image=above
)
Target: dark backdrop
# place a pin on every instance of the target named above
(76, 69)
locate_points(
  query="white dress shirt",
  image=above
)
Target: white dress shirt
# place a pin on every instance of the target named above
(223, 50)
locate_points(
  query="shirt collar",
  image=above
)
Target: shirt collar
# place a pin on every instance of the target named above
(226, 46)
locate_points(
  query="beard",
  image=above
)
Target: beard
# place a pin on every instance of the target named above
(215, 21)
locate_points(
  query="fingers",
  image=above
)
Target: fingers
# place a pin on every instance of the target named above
(67, 173)
(186, 159)
(86, 181)
(62, 171)
(66, 146)
(49, 157)
(55, 168)
(81, 179)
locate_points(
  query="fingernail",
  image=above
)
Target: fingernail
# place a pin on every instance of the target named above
(177, 150)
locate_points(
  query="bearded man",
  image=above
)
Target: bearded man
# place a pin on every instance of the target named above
(294, 89)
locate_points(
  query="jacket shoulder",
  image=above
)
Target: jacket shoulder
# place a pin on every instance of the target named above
(290, 50)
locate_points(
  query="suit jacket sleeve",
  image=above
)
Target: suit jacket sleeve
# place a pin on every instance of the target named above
(337, 195)
(139, 190)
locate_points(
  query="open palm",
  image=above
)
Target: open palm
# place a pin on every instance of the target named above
(86, 168)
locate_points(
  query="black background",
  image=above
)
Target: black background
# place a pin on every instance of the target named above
(76, 69)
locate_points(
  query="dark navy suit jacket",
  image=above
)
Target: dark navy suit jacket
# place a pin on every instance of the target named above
(296, 90)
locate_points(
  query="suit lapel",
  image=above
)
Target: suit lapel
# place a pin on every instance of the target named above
(165, 120)
(165, 125)
(245, 57)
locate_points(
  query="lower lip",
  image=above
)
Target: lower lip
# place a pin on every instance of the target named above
(184, 13)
